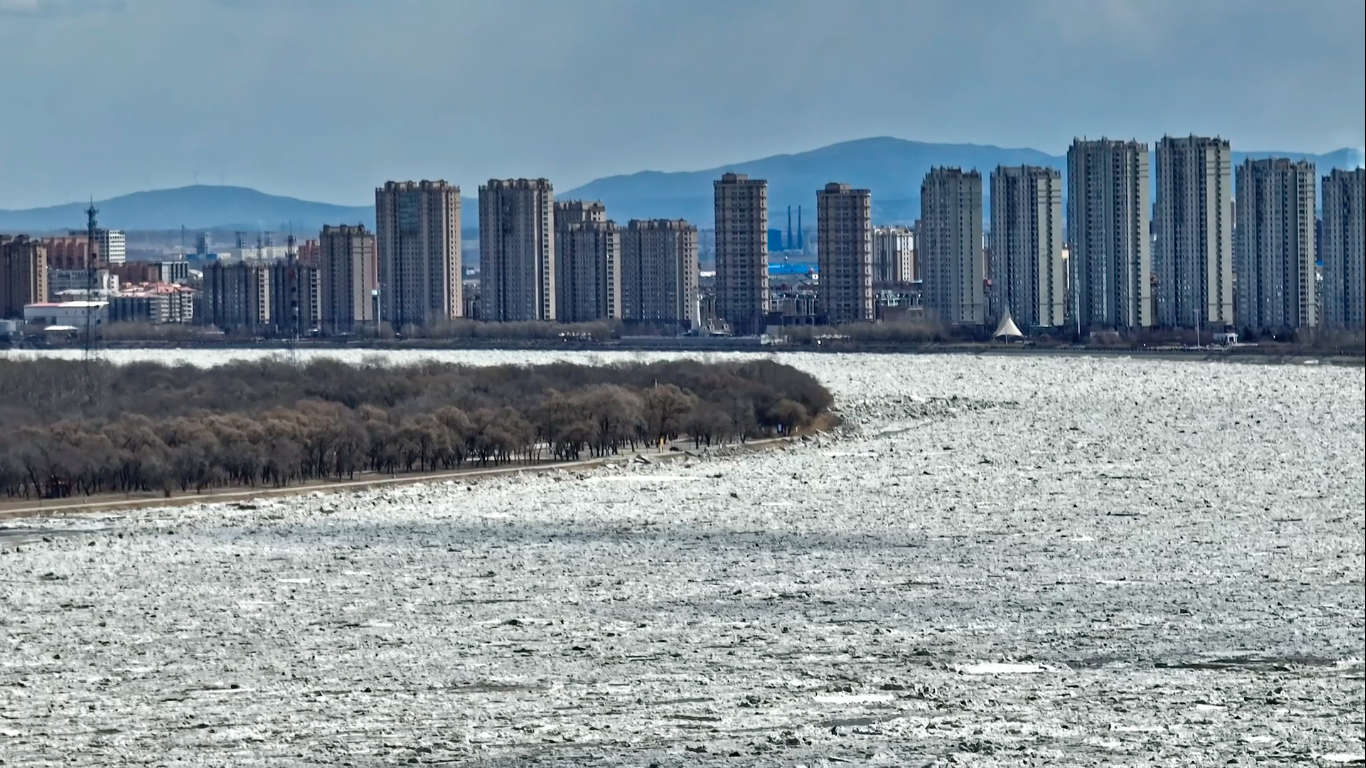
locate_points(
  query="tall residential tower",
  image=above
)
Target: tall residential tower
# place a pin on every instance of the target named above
(1107, 226)
(418, 248)
(1026, 246)
(517, 250)
(1344, 249)
(1273, 246)
(844, 248)
(347, 275)
(587, 263)
(950, 236)
(1193, 221)
(742, 252)
(659, 272)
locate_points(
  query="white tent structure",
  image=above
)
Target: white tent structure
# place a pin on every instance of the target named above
(1007, 330)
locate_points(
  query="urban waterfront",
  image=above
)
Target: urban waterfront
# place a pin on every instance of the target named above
(999, 560)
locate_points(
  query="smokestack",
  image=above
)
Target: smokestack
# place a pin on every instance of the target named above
(800, 245)
(789, 228)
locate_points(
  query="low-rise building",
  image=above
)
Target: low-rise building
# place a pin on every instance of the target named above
(75, 314)
(153, 303)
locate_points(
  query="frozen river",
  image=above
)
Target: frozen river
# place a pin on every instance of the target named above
(1077, 562)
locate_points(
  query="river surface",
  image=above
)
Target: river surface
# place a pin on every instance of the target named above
(1000, 562)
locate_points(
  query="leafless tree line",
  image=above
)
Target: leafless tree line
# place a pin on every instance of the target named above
(80, 430)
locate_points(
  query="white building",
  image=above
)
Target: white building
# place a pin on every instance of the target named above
(68, 313)
(61, 281)
(894, 256)
(113, 246)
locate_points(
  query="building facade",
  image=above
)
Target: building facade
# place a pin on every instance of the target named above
(1027, 278)
(236, 297)
(295, 298)
(844, 253)
(1108, 216)
(23, 275)
(659, 272)
(950, 240)
(1193, 221)
(587, 263)
(517, 250)
(347, 274)
(417, 228)
(1273, 248)
(70, 253)
(153, 303)
(741, 207)
(894, 257)
(1344, 250)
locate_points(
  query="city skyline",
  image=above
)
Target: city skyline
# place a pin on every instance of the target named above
(1273, 63)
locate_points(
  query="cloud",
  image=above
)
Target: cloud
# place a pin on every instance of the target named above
(58, 7)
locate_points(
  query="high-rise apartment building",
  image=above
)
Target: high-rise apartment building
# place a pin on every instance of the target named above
(1108, 230)
(70, 252)
(236, 296)
(417, 228)
(844, 253)
(295, 297)
(517, 250)
(741, 252)
(1026, 246)
(659, 272)
(1274, 246)
(346, 277)
(894, 256)
(950, 240)
(1343, 249)
(23, 275)
(1193, 220)
(587, 263)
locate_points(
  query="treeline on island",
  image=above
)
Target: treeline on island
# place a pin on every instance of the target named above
(87, 427)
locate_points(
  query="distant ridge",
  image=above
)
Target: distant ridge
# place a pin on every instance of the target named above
(892, 168)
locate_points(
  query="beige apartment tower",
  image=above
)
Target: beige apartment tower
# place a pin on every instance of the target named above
(517, 250)
(844, 253)
(1273, 246)
(1193, 221)
(418, 249)
(894, 259)
(742, 252)
(347, 274)
(587, 263)
(1108, 217)
(23, 275)
(951, 246)
(1344, 250)
(659, 273)
(1026, 246)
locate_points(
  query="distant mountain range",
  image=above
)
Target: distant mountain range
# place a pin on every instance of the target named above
(197, 207)
(891, 168)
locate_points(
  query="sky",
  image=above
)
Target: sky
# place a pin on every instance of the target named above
(325, 99)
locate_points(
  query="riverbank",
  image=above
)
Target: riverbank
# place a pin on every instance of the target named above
(1279, 354)
(364, 482)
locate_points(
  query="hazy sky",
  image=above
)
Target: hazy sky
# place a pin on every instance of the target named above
(323, 99)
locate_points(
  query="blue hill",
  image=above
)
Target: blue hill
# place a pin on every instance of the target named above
(892, 168)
